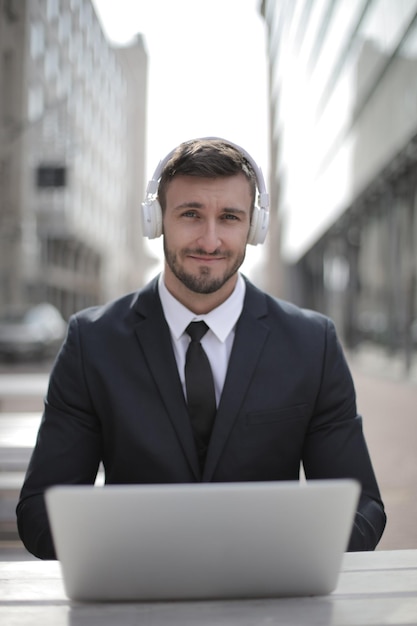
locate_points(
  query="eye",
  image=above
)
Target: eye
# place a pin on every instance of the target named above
(189, 213)
(230, 216)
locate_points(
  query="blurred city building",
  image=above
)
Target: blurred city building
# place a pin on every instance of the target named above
(343, 95)
(72, 157)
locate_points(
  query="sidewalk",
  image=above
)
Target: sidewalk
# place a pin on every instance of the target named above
(388, 403)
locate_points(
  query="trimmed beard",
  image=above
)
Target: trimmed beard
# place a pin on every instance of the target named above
(203, 282)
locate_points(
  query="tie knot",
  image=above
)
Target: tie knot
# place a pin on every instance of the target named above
(197, 330)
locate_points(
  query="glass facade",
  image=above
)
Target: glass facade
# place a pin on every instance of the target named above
(344, 128)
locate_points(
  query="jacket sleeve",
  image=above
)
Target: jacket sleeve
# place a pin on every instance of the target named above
(335, 445)
(68, 446)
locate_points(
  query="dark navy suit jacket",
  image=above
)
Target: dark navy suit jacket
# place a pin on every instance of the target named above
(115, 397)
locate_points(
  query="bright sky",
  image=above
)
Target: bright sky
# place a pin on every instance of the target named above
(207, 70)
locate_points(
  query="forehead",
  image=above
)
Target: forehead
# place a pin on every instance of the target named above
(234, 189)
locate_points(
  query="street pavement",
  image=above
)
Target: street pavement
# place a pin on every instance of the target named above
(386, 398)
(387, 402)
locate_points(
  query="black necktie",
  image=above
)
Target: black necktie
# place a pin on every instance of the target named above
(199, 384)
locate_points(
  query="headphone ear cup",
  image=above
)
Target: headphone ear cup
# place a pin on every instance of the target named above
(258, 226)
(151, 219)
(253, 226)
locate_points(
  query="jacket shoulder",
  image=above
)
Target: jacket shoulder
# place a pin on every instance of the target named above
(124, 308)
(283, 311)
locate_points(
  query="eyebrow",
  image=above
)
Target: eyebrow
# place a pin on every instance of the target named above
(188, 205)
(199, 205)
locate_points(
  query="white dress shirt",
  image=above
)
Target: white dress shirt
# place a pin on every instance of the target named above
(218, 340)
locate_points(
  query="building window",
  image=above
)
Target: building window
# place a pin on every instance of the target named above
(63, 84)
(37, 40)
(51, 63)
(86, 16)
(64, 27)
(52, 9)
(8, 68)
(76, 47)
(35, 103)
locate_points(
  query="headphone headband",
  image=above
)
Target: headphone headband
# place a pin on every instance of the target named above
(152, 214)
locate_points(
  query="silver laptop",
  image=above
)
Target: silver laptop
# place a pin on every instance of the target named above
(201, 541)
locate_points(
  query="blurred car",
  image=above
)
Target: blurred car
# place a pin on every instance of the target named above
(36, 332)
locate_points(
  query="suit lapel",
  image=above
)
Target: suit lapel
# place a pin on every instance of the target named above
(250, 337)
(154, 337)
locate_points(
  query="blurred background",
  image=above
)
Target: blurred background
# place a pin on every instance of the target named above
(322, 93)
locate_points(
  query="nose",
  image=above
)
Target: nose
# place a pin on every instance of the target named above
(209, 239)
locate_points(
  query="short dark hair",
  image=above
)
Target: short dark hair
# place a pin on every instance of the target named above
(208, 158)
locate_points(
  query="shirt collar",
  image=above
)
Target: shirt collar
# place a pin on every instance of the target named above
(220, 320)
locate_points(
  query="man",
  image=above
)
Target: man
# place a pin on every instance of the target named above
(119, 388)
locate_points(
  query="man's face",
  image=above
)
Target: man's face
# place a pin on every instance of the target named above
(206, 225)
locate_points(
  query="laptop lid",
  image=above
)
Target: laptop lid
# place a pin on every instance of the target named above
(201, 541)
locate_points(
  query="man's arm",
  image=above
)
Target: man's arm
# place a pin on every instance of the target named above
(68, 446)
(336, 447)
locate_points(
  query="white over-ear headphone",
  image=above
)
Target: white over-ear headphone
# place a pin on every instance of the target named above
(152, 212)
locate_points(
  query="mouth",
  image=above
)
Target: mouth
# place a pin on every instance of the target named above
(203, 257)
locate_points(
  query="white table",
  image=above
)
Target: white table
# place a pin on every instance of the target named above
(374, 588)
